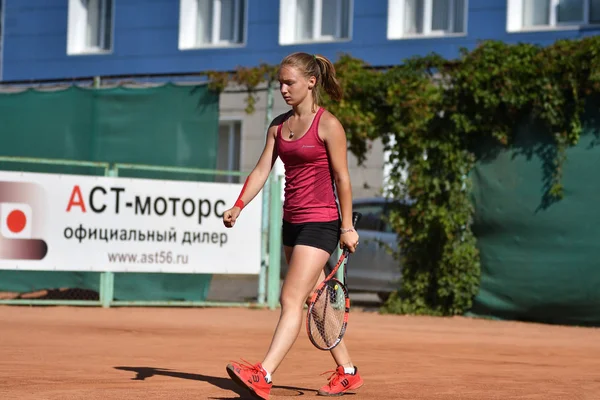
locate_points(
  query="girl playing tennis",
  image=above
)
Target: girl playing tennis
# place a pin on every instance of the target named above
(311, 142)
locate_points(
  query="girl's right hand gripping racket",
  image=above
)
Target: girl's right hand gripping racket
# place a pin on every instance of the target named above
(329, 306)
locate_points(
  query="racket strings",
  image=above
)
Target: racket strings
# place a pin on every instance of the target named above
(327, 315)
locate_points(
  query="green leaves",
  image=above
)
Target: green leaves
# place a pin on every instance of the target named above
(485, 94)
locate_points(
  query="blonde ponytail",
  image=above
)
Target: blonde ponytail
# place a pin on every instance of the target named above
(328, 79)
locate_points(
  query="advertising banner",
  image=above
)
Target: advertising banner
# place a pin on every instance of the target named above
(86, 223)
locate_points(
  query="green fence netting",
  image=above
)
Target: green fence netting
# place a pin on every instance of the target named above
(168, 125)
(539, 257)
(164, 125)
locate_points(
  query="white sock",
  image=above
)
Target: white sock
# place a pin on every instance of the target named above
(268, 376)
(350, 371)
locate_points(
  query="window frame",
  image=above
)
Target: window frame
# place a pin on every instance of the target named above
(397, 12)
(188, 26)
(77, 29)
(287, 23)
(232, 121)
(514, 18)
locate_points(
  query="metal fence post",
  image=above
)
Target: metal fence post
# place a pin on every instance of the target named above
(107, 288)
(274, 244)
(107, 278)
(262, 277)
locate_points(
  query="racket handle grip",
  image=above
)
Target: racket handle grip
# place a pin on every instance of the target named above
(356, 216)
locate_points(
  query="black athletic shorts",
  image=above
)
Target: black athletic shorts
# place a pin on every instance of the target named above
(322, 235)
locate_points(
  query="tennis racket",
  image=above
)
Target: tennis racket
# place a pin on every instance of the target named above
(329, 306)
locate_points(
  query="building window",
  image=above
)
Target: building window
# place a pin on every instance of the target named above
(418, 18)
(551, 14)
(206, 23)
(228, 150)
(314, 20)
(90, 26)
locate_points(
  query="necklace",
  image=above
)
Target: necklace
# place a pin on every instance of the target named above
(289, 129)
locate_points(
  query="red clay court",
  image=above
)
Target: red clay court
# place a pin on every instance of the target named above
(69, 353)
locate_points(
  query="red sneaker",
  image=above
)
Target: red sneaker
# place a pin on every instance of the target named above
(341, 382)
(250, 377)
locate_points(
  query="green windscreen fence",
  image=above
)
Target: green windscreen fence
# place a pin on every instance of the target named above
(168, 125)
(539, 257)
(165, 125)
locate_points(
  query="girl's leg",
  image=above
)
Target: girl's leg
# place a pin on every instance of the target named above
(306, 263)
(341, 356)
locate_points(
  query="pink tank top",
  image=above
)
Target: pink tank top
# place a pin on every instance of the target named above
(309, 188)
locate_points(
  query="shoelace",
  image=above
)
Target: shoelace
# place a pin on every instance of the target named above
(334, 377)
(248, 366)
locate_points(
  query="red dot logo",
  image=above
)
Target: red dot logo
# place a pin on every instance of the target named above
(16, 221)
